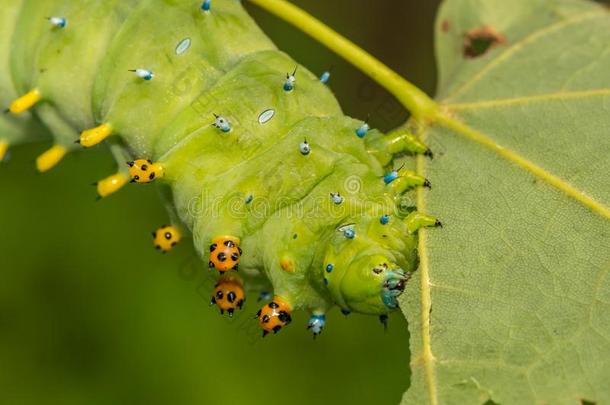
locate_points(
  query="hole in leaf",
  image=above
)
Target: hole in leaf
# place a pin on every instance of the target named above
(479, 41)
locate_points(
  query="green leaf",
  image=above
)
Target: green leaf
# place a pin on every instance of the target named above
(512, 300)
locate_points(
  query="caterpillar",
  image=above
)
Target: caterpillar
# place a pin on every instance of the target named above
(251, 151)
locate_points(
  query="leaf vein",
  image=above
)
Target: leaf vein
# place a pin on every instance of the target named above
(513, 101)
(555, 181)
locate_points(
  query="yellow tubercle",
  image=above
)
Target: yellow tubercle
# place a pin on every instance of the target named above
(166, 237)
(25, 102)
(50, 158)
(111, 184)
(287, 264)
(3, 150)
(145, 171)
(93, 136)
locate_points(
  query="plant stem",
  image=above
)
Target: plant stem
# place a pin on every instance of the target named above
(422, 107)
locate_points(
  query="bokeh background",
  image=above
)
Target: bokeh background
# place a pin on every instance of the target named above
(90, 313)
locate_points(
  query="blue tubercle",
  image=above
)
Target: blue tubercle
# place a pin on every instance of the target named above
(290, 80)
(58, 22)
(336, 197)
(207, 4)
(222, 123)
(362, 130)
(264, 296)
(390, 177)
(385, 218)
(349, 233)
(316, 324)
(143, 74)
(325, 77)
(249, 198)
(329, 268)
(304, 148)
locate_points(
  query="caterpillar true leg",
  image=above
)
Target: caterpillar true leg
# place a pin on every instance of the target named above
(275, 315)
(402, 180)
(396, 142)
(229, 294)
(417, 220)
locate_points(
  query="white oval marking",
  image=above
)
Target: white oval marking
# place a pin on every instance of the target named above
(266, 116)
(183, 46)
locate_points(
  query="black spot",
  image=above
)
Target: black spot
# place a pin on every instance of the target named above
(222, 256)
(273, 305)
(231, 297)
(266, 318)
(213, 301)
(219, 295)
(168, 235)
(174, 243)
(229, 243)
(234, 257)
(152, 176)
(277, 328)
(154, 234)
(136, 177)
(130, 164)
(283, 316)
(235, 267)
(144, 168)
(258, 313)
(239, 250)
(211, 264)
(213, 247)
(240, 303)
(157, 247)
(149, 161)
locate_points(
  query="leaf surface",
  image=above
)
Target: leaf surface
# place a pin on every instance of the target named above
(512, 300)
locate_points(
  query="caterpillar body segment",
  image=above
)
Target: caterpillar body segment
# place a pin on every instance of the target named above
(139, 110)
(251, 151)
(20, 128)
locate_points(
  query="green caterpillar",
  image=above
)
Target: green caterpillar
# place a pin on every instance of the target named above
(252, 151)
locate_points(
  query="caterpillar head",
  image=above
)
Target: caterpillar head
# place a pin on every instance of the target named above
(372, 284)
(364, 269)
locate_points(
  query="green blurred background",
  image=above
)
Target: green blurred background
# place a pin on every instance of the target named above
(90, 313)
